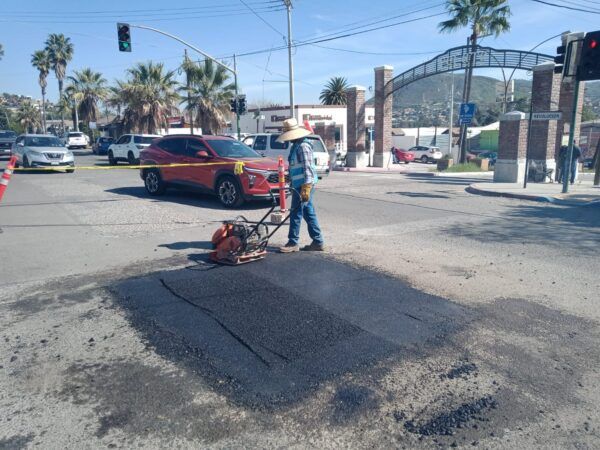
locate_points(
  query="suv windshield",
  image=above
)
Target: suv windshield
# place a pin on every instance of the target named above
(230, 148)
(75, 134)
(7, 134)
(43, 141)
(105, 139)
(144, 139)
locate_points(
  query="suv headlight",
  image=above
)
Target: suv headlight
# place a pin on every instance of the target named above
(34, 153)
(264, 173)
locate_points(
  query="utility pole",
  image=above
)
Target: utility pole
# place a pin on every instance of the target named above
(451, 125)
(288, 4)
(237, 100)
(189, 96)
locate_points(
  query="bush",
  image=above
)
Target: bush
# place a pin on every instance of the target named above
(467, 167)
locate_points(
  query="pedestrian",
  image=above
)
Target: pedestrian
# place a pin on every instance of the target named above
(575, 162)
(303, 178)
(562, 158)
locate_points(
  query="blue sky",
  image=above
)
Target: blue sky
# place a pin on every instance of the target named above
(210, 25)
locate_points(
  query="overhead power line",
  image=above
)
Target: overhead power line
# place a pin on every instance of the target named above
(162, 18)
(220, 5)
(572, 8)
(262, 19)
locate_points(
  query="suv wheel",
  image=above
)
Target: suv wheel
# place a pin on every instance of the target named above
(131, 159)
(26, 162)
(229, 192)
(111, 159)
(154, 183)
(424, 159)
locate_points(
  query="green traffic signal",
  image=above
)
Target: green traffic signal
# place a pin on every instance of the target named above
(124, 36)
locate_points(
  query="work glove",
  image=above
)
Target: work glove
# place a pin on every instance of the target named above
(305, 192)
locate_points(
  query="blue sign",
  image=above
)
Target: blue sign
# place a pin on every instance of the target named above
(466, 113)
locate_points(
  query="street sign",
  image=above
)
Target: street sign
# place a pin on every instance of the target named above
(466, 113)
(546, 115)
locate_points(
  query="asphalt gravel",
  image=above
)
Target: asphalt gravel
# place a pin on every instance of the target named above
(436, 318)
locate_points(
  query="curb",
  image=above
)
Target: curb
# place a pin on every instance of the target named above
(530, 197)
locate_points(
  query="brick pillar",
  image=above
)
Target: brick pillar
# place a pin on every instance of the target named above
(545, 88)
(355, 127)
(512, 147)
(383, 115)
(566, 106)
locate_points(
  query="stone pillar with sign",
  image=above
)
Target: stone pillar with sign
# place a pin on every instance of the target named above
(512, 148)
(355, 127)
(546, 87)
(383, 115)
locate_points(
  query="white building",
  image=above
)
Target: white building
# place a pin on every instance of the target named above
(332, 117)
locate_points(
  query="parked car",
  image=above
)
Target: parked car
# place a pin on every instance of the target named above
(75, 139)
(7, 139)
(128, 148)
(258, 180)
(401, 155)
(42, 150)
(266, 144)
(492, 156)
(101, 145)
(426, 153)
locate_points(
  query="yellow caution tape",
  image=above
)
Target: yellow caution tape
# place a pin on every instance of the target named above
(237, 169)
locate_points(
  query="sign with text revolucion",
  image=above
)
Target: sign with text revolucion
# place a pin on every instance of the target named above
(546, 115)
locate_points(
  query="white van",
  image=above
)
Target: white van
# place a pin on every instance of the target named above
(266, 144)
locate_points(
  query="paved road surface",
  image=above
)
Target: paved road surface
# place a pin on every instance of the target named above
(435, 318)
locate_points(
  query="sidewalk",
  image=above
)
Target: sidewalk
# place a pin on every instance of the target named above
(580, 194)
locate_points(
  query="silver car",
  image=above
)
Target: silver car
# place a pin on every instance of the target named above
(41, 150)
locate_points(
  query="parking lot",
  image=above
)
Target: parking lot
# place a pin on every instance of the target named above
(435, 317)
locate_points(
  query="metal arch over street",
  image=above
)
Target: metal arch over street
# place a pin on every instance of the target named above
(457, 58)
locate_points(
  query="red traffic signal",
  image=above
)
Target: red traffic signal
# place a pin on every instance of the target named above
(589, 64)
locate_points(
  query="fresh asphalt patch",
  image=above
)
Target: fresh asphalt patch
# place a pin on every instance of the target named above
(280, 327)
(293, 347)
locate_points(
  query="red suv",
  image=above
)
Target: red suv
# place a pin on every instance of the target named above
(259, 178)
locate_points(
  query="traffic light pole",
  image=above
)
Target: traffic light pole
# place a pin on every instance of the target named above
(569, 161)
(206, 55)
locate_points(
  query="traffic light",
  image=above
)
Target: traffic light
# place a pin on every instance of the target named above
(242, 104)
(559, 59)
(233, 105)
(589, 63)
(124, 36)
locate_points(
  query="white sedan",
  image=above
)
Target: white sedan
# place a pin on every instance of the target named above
(128, 148)
(425, 153)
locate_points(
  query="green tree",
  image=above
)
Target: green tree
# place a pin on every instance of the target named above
(588, 114)
(60, 51)
(41, 61)
(88, 88)
(150, 97)
(210, 94)
(28, 117)
(482, 17)
(334, 92)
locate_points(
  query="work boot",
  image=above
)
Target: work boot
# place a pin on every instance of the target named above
(314, 247)
(290, 247)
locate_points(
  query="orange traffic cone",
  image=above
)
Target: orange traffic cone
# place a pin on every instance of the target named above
(6, 175)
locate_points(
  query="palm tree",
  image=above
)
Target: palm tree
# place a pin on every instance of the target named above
(210, 94)
(87, 89)
(28, 116)
(482, 17)
(1, 51)
(150, 96)
(334, 92)
(60, 50)
(41, 61)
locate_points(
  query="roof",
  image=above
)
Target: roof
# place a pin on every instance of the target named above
(213, 137)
